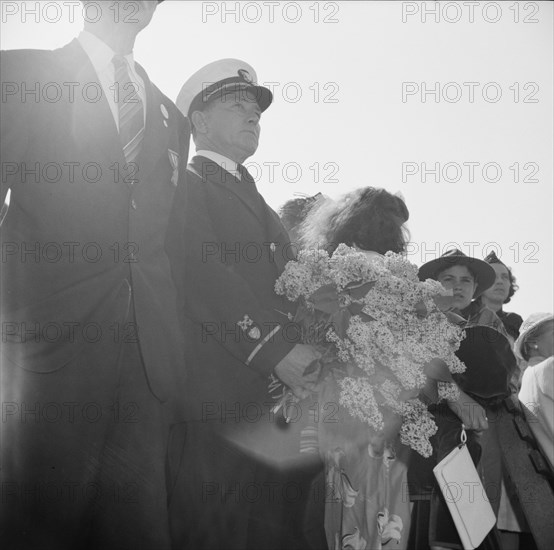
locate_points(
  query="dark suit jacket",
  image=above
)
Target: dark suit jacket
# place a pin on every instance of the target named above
(80, 243)
(227, 248)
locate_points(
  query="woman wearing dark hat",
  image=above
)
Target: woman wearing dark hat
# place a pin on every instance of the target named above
(468, 278)
(535, 345)
(500, 293)
(486, 345)
(490, 364)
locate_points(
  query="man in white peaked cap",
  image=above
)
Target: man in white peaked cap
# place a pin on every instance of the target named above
(228, 247)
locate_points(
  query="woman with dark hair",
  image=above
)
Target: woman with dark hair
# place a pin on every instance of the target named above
(500, 293)
(369, 218)
(366, 502)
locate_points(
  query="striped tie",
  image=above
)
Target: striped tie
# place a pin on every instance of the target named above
(131, 110)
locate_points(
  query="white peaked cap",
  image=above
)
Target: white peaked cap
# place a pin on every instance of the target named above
(224, 75)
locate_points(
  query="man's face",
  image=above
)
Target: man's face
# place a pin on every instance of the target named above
(142, 12)
(461, 281)
(124, 14)
(145, 12)
(233, 125)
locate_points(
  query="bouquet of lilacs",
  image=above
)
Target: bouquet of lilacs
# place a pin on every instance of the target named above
(378, 326)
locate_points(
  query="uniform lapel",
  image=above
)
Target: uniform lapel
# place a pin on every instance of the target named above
(248, 193)
(210, 171)
(278, 234)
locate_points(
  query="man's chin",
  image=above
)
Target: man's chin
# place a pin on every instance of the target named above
(249, 150)
(144, 16)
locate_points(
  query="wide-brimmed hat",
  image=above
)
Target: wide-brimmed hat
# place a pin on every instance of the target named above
(484, 273)
(533, 322)
(219, 78)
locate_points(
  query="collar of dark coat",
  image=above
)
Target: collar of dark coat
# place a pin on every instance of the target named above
(210, 172)
(93, 123)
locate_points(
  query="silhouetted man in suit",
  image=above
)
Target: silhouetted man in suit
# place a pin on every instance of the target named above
(92, 367)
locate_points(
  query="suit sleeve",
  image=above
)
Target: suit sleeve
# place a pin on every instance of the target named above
(216, 296)
(14, 116)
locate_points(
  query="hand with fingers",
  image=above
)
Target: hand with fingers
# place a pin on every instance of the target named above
(472, 415)
(292, 370)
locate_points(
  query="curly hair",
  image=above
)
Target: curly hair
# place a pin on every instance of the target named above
(370, 218)
(295, 211)
(492, 258)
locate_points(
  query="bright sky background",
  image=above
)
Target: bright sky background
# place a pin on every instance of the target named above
(368, 134)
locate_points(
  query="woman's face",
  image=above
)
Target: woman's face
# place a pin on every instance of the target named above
(545, 340)
(460, 279)
(499, 291)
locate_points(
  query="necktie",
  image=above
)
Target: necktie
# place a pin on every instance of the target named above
(247, 189)
(245, 175)
(131, 110)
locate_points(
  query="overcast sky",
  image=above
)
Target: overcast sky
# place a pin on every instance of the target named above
(381, 94)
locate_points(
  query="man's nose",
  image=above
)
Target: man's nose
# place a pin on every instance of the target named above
(253, 117)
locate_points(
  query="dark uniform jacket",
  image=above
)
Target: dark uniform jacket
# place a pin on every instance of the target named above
(81, 243)
(228, 247)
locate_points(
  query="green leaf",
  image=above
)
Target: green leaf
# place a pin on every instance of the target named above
(421, 310)
(365, 317)
(340, 321)
(326, 298)
(358, 290)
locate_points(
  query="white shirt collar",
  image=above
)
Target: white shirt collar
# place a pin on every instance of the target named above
(226, 163)
(100, 54)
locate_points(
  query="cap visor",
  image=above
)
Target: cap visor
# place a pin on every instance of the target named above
(242, 91)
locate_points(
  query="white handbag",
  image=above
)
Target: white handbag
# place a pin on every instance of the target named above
(465, 495)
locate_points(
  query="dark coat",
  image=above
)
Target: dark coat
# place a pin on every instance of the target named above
(228, 247)
(80, 243)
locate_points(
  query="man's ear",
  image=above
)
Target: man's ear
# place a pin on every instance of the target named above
(198, 119)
